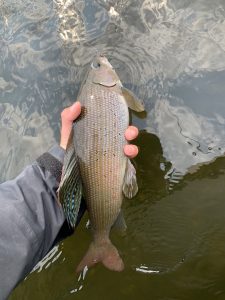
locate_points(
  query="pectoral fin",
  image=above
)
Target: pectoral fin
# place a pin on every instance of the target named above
(130, 187)
(70, 188)
(131, 100)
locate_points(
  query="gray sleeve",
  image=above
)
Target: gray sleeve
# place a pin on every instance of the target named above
(30, 218)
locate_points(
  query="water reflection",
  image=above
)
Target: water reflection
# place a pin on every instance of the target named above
(22, 139)
(189, 122)
(71, 25)
(174, 227)
(187, 138)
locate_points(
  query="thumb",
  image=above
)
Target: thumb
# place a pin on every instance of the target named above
(68, 115)
(71, 113)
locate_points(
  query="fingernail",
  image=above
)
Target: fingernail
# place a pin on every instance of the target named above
(131, 150)
(133, 132)
(73, 106)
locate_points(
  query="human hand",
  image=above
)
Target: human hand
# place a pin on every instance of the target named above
(68, 115)
(71, 113)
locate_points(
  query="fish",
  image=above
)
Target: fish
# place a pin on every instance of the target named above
(95, 166)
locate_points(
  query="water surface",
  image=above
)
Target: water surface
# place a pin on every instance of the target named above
(171, 53)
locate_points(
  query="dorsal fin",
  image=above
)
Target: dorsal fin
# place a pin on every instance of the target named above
(70, 188)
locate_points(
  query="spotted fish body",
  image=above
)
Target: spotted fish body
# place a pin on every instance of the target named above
(105, 172)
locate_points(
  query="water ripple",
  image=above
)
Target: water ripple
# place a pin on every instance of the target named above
(71, 24)
(31, 135)
(171, 54)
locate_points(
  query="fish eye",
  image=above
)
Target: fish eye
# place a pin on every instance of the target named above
(95, 65)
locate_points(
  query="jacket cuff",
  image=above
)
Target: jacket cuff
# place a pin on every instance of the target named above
(52, 161)
(57, 152)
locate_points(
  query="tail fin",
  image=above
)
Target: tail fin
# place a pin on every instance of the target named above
(105, 253)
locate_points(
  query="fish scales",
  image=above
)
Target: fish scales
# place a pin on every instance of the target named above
(99, 146)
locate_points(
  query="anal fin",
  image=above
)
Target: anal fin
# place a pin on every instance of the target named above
(120, 222)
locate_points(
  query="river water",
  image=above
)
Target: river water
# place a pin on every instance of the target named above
(171, 54)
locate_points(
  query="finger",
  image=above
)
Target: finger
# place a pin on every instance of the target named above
(130, 150)
(69, 114)
(131, 133)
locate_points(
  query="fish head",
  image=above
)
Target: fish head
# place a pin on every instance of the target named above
(103, 73)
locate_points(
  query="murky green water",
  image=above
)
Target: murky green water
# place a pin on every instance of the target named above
(171, 53)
